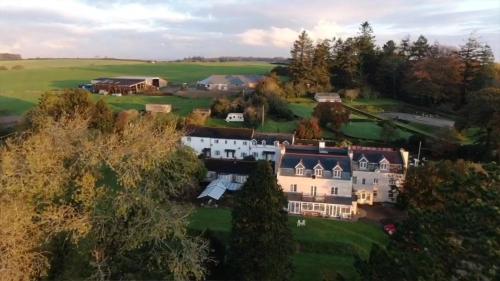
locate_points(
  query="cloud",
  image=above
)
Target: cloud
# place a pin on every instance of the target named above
(283, 37)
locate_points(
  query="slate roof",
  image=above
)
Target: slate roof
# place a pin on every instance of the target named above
(230, 166)
(222, 133)
(376, 154)
(310, 156)
(119, 81)
(270, 138)
(233, 80)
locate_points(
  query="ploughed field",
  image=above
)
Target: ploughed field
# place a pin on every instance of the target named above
(20, 89)
(323, 246)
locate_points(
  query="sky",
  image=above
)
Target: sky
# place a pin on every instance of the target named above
(169, 29)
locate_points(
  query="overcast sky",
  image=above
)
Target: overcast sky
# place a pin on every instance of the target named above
(168, 29)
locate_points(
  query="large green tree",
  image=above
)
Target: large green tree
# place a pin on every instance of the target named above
(321, 66)
(451, 232)
(261, 240)
(301, 62)
(331, 114)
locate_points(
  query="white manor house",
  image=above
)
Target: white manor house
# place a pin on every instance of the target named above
(317, 180)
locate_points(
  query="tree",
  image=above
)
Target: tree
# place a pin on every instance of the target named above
(483, 111)
(478, 63)
(107, 196)
(368, 63)
(451, 229)
(271, 85)
(419, 49)
(309, 129)
(345, 64)
(321, 64)
(261, 241)
(331, 114)
(389, 131)
(221, 107)
(102, 117)
(196, 118)
(390, 70)
(253, 116)
(301, 60)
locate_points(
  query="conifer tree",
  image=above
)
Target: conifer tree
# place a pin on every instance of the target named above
(301, 59)
(261, 241)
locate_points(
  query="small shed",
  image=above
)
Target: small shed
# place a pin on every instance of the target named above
(158, 108)
(235, 117)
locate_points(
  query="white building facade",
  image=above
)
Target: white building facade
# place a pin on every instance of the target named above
(235, 143)
(317, 181)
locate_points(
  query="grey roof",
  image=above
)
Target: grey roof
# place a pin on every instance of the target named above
(310, 156)
(118, 81)
(233, 80)
(222, 133)
(376, 154)
(272, 137)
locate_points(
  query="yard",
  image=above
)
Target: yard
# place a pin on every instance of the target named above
(324, 246)
(20, 89)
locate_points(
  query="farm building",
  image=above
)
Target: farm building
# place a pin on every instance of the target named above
(327, 97)
(158, 108)
(126, 84)
(229, 82)
(118, 85)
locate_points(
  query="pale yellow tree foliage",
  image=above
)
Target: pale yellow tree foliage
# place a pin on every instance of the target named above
(115, 190)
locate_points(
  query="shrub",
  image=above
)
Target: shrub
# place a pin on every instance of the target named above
(3, 67)
(17, 67)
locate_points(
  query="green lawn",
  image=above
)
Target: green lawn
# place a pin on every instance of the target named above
(20, 89)
(369, 130)
(317, 254)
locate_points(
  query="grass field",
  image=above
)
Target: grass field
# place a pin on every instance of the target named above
(368, 130)
(315, 256)
(20, 89)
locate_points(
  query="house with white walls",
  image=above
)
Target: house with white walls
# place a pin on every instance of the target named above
(235, 143)
(375, 170)
(317, 181)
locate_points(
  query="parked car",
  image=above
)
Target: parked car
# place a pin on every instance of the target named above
(390, 228)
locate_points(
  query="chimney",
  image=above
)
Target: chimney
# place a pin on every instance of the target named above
(350, 153)
(321, 147)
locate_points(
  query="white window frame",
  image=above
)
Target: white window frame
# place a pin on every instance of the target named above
(314, 190)
(337, 174)
(384, 166)
(299, 171)
(334, 190)
(375, 180)
(217, 153)
(216, 141)
(363, 164)
(293, 187)
(318, 172)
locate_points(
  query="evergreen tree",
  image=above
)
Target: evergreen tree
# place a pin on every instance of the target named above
(301, 60)
(261, 241)
(345, 64)
(365, 43)
(420, 49)
(321, 66)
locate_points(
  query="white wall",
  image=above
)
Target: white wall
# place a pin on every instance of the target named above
(220, 145)
(383, 184)
(323, 186)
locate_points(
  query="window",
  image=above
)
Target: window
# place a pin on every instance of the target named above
(217, 152)
(375, 181)
(318, 172)
(337, 173)
(392, 181)
(201, 140)
(244, 143)
(263, 142)
(363, 181)
(299, 171)
(375, 193)
(254, 142)
(335, 190)
(256, 155)
(225, 142)
(313, 190)
(293, 188)
(355, 180)
(188, 139)
(234, 142)
(363, 164)
(383, 166)
(243, 154)
(216, 141)
(363, 195)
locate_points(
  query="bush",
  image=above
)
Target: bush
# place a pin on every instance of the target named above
(3, 67)
(309, 129)
(351, 94)
(17, 67)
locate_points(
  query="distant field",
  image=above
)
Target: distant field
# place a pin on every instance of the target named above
(317, 251)
(20, 89)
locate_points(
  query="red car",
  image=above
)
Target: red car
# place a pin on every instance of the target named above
(390, 228)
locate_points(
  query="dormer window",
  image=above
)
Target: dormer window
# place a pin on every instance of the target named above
(276, 143)
(254, 142)
(299, 169)
(286, 143)
(384, 164)
(363, 164)
(337, 171)
(318, 170)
